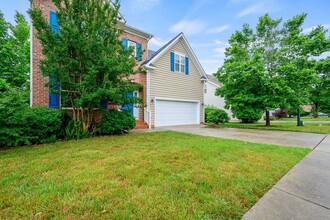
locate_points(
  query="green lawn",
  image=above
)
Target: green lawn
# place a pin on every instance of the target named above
(311, 127)
(161, 175)
(307, 118)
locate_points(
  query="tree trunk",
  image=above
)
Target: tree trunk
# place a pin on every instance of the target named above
(316, 110)
(267, 118)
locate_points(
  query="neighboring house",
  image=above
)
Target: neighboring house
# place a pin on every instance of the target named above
(210, 98)
(172, 85)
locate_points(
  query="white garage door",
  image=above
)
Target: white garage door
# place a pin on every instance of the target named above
(176, 113)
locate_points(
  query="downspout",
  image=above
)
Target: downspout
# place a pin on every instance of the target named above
(31, 64)
(148, 99)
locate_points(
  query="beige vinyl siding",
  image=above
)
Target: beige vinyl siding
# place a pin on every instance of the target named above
(175, 85)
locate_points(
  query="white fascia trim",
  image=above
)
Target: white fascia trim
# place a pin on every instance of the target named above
(31, 64)
(154, 59)
(138, 35)
(195, 60)
(213, 83)
(190, 52)
(179, 100)
(149, 67)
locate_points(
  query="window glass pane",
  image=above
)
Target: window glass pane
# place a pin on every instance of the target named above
(132, 44)
(65, 100)
(182, 68)
(177, 66)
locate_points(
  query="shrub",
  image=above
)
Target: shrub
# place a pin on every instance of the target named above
(248, 115)
(280, 113)
(21, 125)
(30, 126)
(215, 116)
(115, 122)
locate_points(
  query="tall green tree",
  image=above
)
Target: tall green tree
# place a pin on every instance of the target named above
(4, 53)
(269, 68)
(298, 52)
(20, 44)
(14, 54)
(242, 76)
(268, 36)
(320, 92)
(85, 56)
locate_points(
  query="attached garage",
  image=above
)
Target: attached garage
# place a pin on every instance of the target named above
(173, 112)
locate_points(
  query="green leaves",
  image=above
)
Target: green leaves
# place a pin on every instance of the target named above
(86, 56)
(14, 53)
(271, 67)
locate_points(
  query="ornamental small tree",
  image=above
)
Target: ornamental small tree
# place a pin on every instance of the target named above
(85, 56)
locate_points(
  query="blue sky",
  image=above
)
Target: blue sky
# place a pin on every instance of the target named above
(207, 24)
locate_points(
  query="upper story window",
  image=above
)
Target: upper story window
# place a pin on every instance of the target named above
(205, 88)
(137, 48)
(179, 63)
(133, 45)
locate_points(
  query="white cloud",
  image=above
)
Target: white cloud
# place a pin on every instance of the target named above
(218, 29)
(211, 66)
(219, 42)
(157, 42)
(143, 5)
(201, 44)
(188, 27)
(220, 52)
(254, 9)
(307, 30)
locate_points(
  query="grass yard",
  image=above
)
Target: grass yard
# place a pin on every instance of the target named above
(311, 127)
(307, 118)
(161, 175)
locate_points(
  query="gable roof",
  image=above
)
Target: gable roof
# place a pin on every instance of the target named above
(213, 80)
(155, 56)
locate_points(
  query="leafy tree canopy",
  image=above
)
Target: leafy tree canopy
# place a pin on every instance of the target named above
(270, 67)
(85, 56)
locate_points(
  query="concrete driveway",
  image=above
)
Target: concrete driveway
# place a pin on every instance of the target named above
(283, 138)
(304, 192)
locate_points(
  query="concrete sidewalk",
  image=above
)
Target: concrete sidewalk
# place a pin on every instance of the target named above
(303, 193)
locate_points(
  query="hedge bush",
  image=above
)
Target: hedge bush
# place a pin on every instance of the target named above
(115, 122)
(215, 116)
(27, 125)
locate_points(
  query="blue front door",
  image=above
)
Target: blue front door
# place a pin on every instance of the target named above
(129, 107)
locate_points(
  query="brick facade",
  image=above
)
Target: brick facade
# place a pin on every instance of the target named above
(40, 91)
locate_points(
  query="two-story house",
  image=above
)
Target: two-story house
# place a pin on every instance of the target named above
(172, 81)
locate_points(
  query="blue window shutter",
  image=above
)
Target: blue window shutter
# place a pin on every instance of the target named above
(53, 22)
(104, 105)
(172, 62)
(187, 66)
(139, 51)
(129, 107)
(54, 99)
(125, 43)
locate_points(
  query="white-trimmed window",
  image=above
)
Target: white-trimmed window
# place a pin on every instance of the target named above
(179, 62)
(133, 45)
(205, 88)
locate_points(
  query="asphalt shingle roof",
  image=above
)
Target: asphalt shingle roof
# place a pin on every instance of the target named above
(152, 55)
(213, 79)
